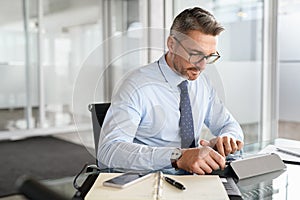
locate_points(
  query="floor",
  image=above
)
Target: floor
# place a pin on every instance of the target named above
(289, 130)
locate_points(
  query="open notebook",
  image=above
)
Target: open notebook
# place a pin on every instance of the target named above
(207, 187)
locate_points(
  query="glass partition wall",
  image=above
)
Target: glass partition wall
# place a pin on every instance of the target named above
(59, 37)
(64, 34)
(14, 109)
(43, 43)
(289, 69)
(71, 30)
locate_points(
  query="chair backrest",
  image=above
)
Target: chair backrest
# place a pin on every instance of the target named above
(98, 112)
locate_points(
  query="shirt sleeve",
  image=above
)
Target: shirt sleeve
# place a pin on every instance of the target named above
(219, 120)
(116, 144)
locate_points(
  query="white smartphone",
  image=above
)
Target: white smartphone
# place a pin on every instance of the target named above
(125, 179)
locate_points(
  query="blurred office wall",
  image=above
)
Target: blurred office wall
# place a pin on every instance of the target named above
(289, 63)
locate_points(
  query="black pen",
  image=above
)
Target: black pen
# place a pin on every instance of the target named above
(174, 183)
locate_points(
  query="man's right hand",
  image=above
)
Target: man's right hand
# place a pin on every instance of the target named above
(201, 160)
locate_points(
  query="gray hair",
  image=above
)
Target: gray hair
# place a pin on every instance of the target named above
(196, 19)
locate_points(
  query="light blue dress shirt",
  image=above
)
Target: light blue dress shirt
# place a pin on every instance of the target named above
(141, 128)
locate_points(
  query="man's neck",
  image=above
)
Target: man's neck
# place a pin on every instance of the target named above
(169, 60)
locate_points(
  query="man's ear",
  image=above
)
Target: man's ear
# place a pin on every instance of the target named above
(170, 44)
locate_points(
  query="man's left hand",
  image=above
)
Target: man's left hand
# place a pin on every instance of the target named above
(224, 145)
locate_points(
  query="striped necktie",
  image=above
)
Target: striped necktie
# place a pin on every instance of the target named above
(186, 117)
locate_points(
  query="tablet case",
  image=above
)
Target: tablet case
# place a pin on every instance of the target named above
(257, 165)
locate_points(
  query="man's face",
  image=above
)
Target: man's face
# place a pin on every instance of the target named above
(196, 44)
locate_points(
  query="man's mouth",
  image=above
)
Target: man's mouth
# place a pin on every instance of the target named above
(194, 70)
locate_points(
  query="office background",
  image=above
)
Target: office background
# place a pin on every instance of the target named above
(43, 44)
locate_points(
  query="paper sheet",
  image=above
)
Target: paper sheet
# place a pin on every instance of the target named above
(283, 156)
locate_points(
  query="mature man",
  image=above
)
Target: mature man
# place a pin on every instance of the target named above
(156, 115)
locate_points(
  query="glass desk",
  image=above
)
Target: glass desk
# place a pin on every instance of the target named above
(276, 185)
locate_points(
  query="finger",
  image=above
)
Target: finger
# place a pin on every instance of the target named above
(240, 144)
(204, 142)
(218, 158)
(198, 171)
(220, 147)
(234, 146)
(205, 167)
(195, 168)
(227, 146)
(212, 163)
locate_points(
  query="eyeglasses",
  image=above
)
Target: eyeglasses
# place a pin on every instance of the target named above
(196, 58)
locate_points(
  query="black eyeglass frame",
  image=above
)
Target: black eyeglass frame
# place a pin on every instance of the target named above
(216, 55)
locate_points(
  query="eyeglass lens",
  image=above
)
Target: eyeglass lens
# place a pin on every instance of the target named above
(198, 58)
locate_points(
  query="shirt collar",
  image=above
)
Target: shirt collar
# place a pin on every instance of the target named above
(171, 77)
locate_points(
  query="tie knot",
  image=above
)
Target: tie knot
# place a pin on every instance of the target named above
(183, 86)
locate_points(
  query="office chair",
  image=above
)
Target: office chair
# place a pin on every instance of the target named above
(35, 190)
(98, 112)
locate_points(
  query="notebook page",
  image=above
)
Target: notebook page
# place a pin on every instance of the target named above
(207, 187)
